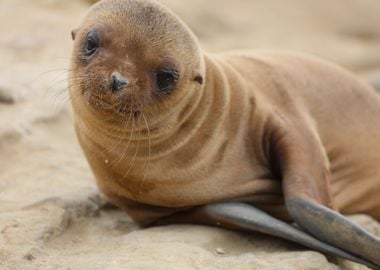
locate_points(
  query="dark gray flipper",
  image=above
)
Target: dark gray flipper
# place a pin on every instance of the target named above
(334, 229)
(248, 218)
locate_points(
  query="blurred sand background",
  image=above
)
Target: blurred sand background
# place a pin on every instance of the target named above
(51, 215)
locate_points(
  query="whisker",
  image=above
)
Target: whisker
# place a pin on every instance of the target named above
(136, 152)
(129, 140)
(146, 166)
(123, 122)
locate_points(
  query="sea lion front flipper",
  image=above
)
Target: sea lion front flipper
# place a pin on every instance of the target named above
(334, 229)
(305, 176)
(248, 218)
(245, 217)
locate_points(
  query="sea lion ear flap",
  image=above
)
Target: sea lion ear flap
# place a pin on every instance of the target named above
(199, 79)
(74, 33)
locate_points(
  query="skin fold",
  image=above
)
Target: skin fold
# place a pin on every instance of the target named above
(280, 132)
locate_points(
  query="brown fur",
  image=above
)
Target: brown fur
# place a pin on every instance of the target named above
(240, 126)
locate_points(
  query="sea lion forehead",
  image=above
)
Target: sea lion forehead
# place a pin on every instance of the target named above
(138, 18)
(140, 25)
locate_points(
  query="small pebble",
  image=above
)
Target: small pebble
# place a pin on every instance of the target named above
(29, 257)
(220, 251)
(6, 98)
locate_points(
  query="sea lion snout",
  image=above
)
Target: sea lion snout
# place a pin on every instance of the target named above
(118, 82)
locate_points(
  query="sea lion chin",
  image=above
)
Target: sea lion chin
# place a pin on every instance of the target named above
(244, 140)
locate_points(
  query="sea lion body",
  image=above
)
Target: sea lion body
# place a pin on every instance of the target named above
(172, 133)
(341, 112)
(221, 152)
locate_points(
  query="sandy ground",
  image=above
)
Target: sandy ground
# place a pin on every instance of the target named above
(51, 215)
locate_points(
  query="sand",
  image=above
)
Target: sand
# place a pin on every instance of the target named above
(51, 213)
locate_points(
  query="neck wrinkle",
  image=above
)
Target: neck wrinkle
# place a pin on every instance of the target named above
(217, 106)
(212, 109)
(176, 116)
(209, 106)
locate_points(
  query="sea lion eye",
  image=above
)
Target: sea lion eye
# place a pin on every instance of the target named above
(166, 79)
(92, 43)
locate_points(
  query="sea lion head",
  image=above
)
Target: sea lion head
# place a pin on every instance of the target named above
(132, 56)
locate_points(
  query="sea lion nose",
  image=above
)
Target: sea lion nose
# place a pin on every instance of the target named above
(118, 82)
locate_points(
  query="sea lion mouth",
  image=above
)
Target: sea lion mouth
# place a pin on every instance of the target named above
(134, 113)
(99, 102)
(117, 106)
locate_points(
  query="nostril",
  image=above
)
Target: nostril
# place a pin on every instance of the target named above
(118, 82)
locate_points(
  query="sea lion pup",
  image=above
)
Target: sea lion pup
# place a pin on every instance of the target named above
(174, 134)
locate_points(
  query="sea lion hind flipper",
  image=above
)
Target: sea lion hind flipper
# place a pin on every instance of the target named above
(334, 229)
(245, 217)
